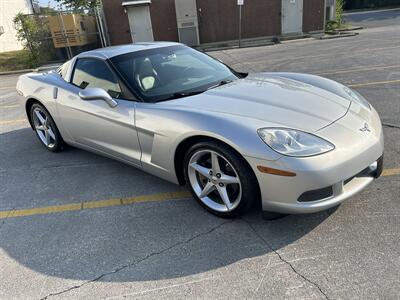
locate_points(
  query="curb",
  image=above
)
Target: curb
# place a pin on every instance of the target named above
(338, 36)
(351, 28)
(16, 72)
(39, 69)
(237, 47)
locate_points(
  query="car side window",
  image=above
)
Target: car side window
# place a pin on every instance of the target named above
(62, 70)
(90, 72)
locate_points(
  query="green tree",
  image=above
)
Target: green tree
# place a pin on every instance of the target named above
(79, 4)
(31, 31)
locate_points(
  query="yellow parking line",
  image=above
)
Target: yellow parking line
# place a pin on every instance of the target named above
(91, 204)
(374, 83)
(40, 210)
(391, 172)
(8, 122)
(115, 202)
(9, 106)
(101, 203)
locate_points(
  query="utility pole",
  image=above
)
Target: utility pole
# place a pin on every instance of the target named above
(240, 3)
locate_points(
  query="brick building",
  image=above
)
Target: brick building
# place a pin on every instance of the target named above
(197, 22)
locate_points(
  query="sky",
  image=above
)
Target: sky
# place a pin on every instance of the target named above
(46, 3)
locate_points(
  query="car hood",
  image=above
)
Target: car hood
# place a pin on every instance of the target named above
(276, 100)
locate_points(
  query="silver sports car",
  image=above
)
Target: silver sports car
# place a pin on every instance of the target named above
(294, 143)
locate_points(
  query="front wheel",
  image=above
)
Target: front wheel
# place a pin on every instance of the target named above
(220, 179)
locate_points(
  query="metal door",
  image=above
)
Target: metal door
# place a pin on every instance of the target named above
(292, 16)
(218, 20)
(93, 124)
(99, 127)
(140, 23)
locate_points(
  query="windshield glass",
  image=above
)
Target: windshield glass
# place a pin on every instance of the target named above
(171, 72)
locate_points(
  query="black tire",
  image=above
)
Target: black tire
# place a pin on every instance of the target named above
(57, 144)
(250, 195)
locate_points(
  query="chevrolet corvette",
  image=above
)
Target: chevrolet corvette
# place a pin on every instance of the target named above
(288, 142)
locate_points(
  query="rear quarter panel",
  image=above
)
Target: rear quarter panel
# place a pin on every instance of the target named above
(42, 87)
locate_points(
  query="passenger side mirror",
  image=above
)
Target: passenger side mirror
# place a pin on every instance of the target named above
(90, 94)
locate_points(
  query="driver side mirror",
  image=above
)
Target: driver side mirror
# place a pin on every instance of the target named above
(90, 94)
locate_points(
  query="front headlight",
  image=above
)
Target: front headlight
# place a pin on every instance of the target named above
(292, 142)
(357, 97)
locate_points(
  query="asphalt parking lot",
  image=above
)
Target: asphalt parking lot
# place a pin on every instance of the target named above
(77, 225)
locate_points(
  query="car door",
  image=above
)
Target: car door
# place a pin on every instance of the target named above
(94, 123)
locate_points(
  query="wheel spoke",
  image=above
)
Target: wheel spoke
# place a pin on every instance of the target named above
(40, 117)
(224, 196)
(207, 190)
(202, 170)
(47, 135)
(40, 127)
(51, 133)
(226, 179)
(215, 163)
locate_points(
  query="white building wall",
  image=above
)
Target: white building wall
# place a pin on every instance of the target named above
(8, 10)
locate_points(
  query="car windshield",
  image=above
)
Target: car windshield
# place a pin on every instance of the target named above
(171, 72)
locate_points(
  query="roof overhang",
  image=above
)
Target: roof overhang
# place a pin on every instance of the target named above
(137, 2)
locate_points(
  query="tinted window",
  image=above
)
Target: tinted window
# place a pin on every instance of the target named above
(161, 73)
(95, 73)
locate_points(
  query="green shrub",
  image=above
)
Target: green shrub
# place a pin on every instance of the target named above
(331, 26)
(339, 12)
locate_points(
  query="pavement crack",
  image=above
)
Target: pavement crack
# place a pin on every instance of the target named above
(135, 263)
(4, 220)
(284, 260)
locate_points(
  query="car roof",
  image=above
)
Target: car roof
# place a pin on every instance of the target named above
(112, 51)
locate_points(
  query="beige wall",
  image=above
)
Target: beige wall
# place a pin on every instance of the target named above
(8, 10)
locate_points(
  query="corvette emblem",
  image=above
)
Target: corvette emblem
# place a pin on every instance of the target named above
(365, 128)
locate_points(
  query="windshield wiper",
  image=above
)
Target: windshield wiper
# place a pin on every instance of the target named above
(181, 95)
(187, 94)
(222, 82)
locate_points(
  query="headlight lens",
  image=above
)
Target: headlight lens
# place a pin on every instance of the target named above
(357, 97)
(292, 142)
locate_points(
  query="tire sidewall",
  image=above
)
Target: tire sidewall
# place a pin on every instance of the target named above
(249, 183)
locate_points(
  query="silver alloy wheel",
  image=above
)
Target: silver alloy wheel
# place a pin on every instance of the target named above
(214, 180)
(43, 128)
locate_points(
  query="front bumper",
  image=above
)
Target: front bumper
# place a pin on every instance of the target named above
(326, 180)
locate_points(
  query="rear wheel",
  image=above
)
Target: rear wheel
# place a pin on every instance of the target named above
(220, 180)
(45, 128)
